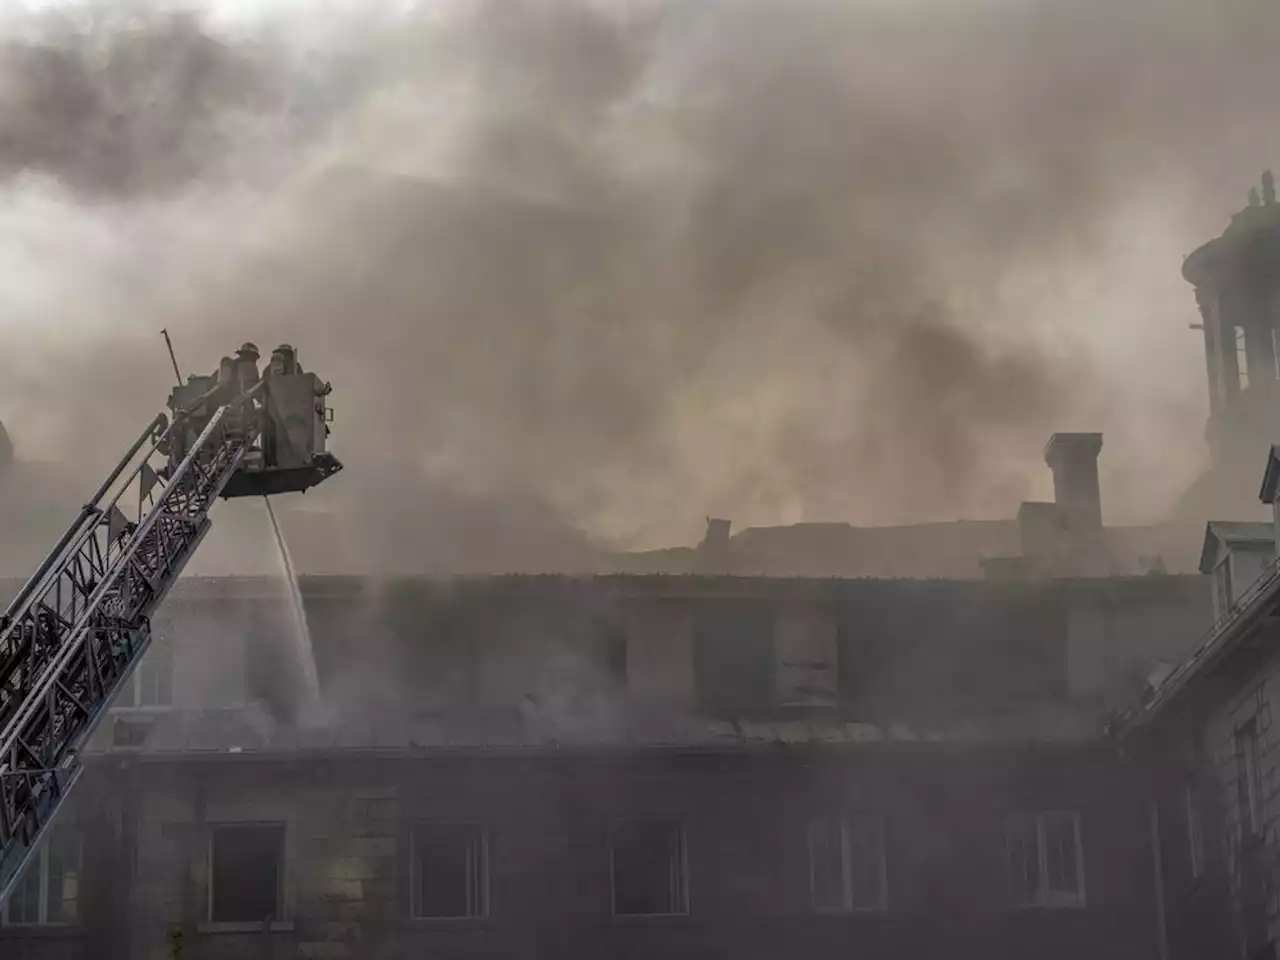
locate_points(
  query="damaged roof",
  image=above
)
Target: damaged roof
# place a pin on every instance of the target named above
(235, 732)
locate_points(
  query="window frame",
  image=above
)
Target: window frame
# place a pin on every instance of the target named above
(130, 699)
(415, 871)
(41, 864)
(1242, 357)
(1195, 830)
(1046, 897)
(685, 900)
(848, 825)
(282, 907)
(1248, 787)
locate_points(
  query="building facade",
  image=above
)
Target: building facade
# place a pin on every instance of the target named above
(621, 767)
(1205, 734)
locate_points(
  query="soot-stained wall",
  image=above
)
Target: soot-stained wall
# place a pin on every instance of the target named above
(348, 823)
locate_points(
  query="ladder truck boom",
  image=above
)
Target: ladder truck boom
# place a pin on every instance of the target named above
(80, 624)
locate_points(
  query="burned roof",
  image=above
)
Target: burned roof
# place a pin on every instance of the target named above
(241, 732)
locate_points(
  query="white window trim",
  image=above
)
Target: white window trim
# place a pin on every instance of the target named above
(1195, 831)
(682, 866)
(281, 902)
(1247, 744)
(41, 864)
(129, 700)
(1242, 357)
(415, 869)
(1048, 899)
(847, 904)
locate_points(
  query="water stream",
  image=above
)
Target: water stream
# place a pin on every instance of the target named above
(300, 634)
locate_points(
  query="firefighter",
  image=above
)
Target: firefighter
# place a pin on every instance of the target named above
(283, 361)
(281, 365)
(226, 379)
(247, 367)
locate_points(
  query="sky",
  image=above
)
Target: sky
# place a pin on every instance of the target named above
(591, 271)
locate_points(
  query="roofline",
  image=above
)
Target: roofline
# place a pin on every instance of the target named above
(1271, 477)
(372, 588)
(1226, 633)
(1209, 538)
(614, 751)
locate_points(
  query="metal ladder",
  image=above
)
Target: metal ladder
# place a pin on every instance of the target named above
(72, 636)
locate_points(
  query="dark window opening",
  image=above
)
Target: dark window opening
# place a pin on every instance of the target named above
(1046, 861)
(846, 865)
(450, 872)
(1247, 778)
(48, 892)
(650, 874)
(246, 873)
(733, 658)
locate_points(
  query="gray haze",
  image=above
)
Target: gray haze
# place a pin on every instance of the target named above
(586, 271)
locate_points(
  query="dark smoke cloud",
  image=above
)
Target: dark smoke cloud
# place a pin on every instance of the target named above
(616, 266)
(122, 106)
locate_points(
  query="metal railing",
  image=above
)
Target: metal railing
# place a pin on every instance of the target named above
(79, 626)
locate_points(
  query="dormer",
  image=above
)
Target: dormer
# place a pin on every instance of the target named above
(1270, 492)
(1235, 554)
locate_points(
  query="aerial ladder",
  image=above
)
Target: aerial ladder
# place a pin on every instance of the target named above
(72, 636)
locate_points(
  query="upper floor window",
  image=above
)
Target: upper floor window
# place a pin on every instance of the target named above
(650, 870)
(1242, 357)
(1046, 861)
(847, 865)
(48, 893)
(1247, 785)
(151, 685)
(1195, 833)
(450, 871)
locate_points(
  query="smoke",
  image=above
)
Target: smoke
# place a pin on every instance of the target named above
(593, 270)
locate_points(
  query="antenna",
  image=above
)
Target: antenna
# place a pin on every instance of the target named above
(172, 359)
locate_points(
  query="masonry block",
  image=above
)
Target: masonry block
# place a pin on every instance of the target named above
(324, 950)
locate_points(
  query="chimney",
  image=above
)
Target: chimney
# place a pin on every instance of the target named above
(713, 551)
(1073, 458)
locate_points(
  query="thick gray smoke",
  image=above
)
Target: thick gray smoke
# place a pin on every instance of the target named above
(593, 270)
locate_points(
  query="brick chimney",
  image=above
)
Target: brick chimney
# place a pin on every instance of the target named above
(1073, 458)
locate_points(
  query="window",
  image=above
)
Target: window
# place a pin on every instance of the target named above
(151, 685)
(245, 874)
(48, 893)
(650, 871)
(1247, 778)
(1195, 835)
(1242, 358)
(1046, 863)
(846, 865)
(450, 871)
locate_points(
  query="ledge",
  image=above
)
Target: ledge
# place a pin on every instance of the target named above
(252, 926)
(38, 931)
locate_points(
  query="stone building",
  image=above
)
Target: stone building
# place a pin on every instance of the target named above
(1206, 737)
(750, 760)
(621, 767)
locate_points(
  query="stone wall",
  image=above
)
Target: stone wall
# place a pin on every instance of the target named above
(349, 824)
